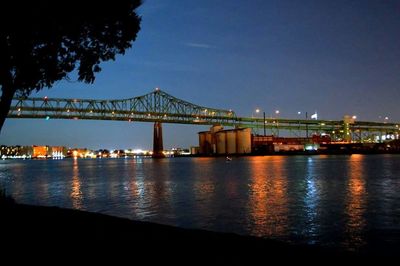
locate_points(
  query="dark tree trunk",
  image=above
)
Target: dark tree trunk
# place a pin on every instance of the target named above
(5, 103)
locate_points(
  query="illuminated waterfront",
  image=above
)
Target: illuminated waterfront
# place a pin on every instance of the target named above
(346, 201)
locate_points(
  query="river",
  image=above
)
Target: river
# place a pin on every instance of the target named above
(346, 201)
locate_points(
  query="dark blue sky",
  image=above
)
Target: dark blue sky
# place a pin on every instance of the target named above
(334, 57)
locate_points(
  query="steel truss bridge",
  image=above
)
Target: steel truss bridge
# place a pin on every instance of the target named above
(161, 107)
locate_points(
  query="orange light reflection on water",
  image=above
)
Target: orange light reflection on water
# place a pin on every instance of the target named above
(268, 201)
(149, 196)
(356, 202)
(76, 193)
(204, 189)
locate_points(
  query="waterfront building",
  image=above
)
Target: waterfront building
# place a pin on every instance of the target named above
(219, 141)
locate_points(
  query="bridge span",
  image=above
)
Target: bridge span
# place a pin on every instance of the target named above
(160, 107)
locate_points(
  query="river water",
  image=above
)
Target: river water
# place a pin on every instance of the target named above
(346, 201)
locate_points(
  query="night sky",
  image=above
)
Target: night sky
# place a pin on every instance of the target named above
(334, 57)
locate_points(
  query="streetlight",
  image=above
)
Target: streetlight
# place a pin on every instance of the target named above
(306, 113)
(258, 111)
(385, 119)
(277, 122)
(265, 133)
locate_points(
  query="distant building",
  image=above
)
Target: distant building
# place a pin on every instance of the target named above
(179, 152)
(48, 151)
(80, 153)
(58, 151)
(194, 150)
(271, 143)
(118, 154)
(218, 141)
(15, 151)
(103, 153)
(41, 151)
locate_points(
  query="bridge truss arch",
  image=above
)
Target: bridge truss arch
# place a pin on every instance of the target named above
(159, 106)
(156, 106)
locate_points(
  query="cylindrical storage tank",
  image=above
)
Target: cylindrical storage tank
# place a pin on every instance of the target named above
(209, 143)
(216, 128)
(230, 141)
(221, 142)
(202, 142)
(243, 141)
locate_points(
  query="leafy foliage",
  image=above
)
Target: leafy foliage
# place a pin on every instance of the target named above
(42, 41)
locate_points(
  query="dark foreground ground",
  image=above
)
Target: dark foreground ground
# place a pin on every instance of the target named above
(39, 232)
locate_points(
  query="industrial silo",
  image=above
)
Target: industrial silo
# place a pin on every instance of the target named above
(243, 138)
(231, 141)
(204, 145)
(214, 129)
(210, 140)
(221, 142)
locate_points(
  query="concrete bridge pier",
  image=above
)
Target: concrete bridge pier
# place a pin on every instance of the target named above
(158, 146)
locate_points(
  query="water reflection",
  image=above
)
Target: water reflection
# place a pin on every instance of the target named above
(311, 200)
(138, 201)
(18, 187)
(204, 189)
(150, 189)
(356, 203)
(329, 200)
(76, 193)
(268, 201)
(160, 190)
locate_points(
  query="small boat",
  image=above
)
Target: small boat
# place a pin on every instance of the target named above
(228, 159)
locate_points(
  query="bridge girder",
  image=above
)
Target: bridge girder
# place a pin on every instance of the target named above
(159, 106)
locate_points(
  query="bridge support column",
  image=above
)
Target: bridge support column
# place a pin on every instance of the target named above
(158, 146)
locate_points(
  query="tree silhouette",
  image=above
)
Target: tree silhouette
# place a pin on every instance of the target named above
(42, 41)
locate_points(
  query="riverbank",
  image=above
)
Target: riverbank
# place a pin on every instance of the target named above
(28, 228)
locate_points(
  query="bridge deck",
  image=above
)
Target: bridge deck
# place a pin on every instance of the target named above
(159, 106)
